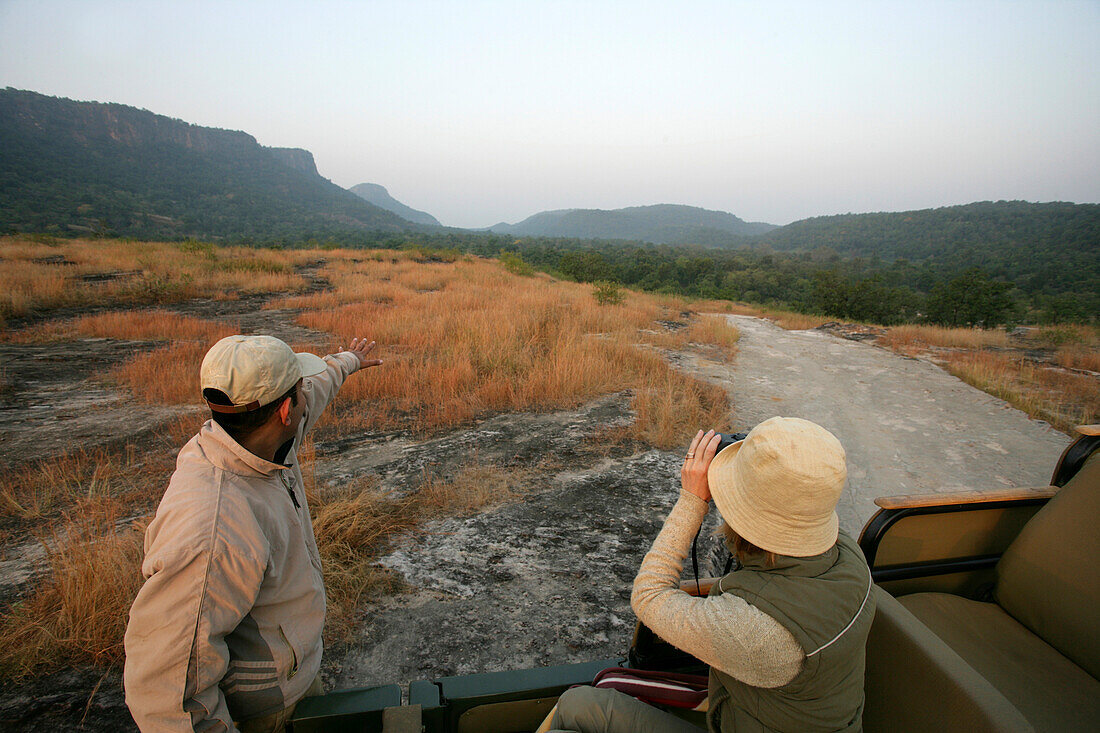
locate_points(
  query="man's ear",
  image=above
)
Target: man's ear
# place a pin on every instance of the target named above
(284, 412)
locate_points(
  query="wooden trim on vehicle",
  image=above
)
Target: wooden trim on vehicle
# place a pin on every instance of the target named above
(705, 584)
(909, 501)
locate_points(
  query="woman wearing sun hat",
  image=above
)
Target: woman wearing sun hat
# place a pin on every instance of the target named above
(785, 633)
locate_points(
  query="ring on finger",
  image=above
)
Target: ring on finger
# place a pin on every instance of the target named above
(691, 454)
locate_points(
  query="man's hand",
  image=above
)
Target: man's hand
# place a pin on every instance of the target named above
(693, 475)
(362, 347)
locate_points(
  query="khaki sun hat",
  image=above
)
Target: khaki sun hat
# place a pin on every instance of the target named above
(253, 371)
(778, 488)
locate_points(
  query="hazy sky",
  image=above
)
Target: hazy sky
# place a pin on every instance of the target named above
(480, 112)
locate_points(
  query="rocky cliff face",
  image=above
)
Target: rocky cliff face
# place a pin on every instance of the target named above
(96, 122)
(82, 166)
(296, 158)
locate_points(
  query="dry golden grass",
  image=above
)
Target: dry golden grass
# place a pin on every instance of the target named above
(77, 614)
(1061, 398)
(353, 526)
(673, 406)
(914, 336)
(461, 338)
(168, 375)
(716, 330)
(1078, 357)
(472, 488)
(665, 338)
(465, 339)
(38, 489)
(144, 325)
(165, 375)
(41, 276)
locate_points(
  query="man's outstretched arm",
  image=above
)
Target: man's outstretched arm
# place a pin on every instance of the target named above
(319, 390)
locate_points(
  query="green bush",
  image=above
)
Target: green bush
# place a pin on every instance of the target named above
(514, 264)
(1056, 336)
(607, 293)
(194, 246)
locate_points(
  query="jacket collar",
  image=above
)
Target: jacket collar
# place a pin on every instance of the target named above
(229, 455)
(787, 565)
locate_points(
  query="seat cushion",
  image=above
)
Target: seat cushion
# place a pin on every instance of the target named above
(1049, 577)
(916, 683)
(1051, 691)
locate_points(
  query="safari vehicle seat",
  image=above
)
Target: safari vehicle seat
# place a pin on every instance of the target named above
(1024, 657)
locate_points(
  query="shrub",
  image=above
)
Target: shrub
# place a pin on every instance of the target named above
(194, 246)
(607, 293)
(514, 264)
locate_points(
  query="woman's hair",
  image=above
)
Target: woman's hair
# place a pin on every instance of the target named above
(743, 549)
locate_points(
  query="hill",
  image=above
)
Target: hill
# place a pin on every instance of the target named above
(1031, 244)
(69, 166)
(379, 196)
(660, 224)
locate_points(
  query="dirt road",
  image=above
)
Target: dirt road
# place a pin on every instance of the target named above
(546, 579)
(908, 426)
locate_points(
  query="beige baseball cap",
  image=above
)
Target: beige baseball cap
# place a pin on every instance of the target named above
(778, 488)
(254, 371)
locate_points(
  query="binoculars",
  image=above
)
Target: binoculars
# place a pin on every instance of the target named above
(728, 439)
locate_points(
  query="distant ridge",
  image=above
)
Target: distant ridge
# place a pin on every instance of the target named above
(73, 167)
(660, 224)
(983, 232)
(380, 197)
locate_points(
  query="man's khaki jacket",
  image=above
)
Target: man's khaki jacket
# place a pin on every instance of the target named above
(228, 623)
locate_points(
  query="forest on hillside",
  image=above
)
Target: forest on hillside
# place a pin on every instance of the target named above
(978, 264)
(854, 288)
(821, 281)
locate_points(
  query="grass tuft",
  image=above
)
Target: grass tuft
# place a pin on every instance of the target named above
(77, 614)
(1061, 398)
(908, 337)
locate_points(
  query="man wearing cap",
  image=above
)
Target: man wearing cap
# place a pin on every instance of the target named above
(226, 630)
(784, 634)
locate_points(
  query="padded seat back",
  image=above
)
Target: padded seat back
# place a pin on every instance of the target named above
(1049, 577)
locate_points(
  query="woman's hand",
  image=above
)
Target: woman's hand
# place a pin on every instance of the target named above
(693, 475)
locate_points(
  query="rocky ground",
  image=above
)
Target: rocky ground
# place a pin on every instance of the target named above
(545, 577)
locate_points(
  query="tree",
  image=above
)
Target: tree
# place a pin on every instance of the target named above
(972, 299)
(830, 293)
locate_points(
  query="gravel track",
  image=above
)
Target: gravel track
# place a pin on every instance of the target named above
(908, 426)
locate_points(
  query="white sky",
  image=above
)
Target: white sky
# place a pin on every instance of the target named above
(480, 112)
